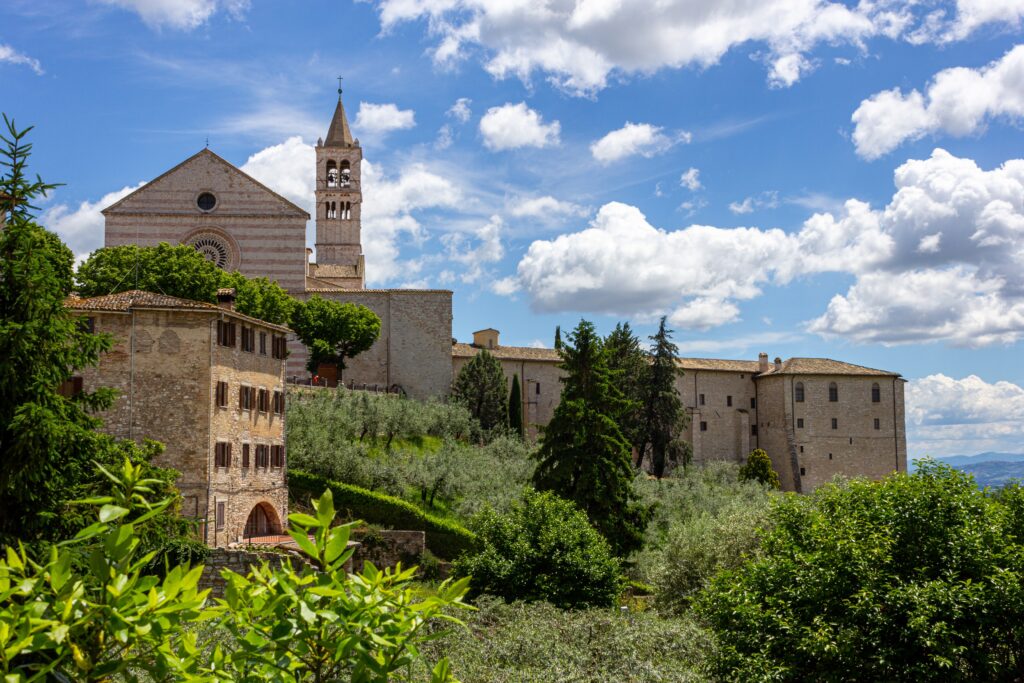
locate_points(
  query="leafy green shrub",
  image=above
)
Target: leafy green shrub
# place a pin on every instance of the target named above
(917, 577)
(537, 642)
(542, 549)
(759, 468)
(445, 538)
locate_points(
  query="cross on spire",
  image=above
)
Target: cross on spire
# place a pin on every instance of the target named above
(339, 88)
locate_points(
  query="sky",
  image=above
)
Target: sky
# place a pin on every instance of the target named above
(799, 177)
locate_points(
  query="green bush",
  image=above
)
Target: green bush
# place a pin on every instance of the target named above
(539, 643)
(916, 578)
(544, 548)
(759, 468)
(444, 538)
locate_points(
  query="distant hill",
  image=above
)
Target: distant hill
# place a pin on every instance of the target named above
(989, 469)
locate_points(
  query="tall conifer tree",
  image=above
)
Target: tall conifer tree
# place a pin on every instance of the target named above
(629, 366)
(481, 387)
(515, 407)
(663, 414)
(584, 456)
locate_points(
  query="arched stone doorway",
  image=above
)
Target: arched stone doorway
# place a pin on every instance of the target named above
(263, 521)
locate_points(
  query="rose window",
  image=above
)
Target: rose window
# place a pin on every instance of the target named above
(212, 248)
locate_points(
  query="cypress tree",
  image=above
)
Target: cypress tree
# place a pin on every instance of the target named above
(558, 337)
(584, 456)
(663, 414)
(629, 367)
(482, 388)
(515, 407)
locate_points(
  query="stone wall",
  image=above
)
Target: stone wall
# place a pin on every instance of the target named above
(538, 382)
(414, 347)
(265, 233)
(728, 435)
(386, 548)
(241, 561)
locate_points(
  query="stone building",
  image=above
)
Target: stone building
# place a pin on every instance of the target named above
(208, 383)
(816, 417)
(241, 224)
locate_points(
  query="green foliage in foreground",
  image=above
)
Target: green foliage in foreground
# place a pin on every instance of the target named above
(759, 468)
(542, 549)
(179, 270)
(539, 643)
(333, 331)
(444, 538)
(917, 578)
(110, 622)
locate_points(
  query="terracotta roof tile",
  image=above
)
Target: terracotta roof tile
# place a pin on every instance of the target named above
(137, 298)
(750, 366)
(509, 353)
(824, 366)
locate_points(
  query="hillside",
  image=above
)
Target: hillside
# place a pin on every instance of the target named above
(989, 468)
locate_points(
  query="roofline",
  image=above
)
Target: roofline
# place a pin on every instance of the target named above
(205, 150)
(213, 309)
(396, 290)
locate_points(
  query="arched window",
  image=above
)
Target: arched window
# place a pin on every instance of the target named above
(876, 393)
(799, 392)
(346, 174)
(833, 392)
(332, 211)
(332, 174)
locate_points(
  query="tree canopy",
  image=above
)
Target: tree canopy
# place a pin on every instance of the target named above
(916, 578)
(180, 271)
(584, 456)
(628, 364)
(759, 468)
(662, 414)
(481, 387)
(333, 330)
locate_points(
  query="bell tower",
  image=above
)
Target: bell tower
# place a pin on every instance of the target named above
(339, 251)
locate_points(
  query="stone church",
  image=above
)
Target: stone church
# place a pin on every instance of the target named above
(243, 225)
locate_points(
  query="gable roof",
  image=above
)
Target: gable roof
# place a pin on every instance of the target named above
(824, 366)
(508, 353)
(123, 302)
(750, 366)
(206, 151)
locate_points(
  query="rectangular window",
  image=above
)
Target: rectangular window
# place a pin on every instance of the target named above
(246, 396)
(753, 403)
(263, 401)
(279, 347)
(263, 343)
(261, 455)
(835, 423)
(702, 399)
(803, 472)
(753, 430)
(225, 333)
(878, 423)
(220, 515)
(801, 449)
(222, 394)
(248, 339)
(799, 423)
(87, 325)
(222, 454)
(70, 387)
(703, 426)
(728, 401)
(245, 455)
(277, 456)
(538, 389)
(279, 402)
(829, 456)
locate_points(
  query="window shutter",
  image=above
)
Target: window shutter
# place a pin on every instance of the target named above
(227, 455)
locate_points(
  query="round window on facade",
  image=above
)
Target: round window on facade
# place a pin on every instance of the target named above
(206, 201)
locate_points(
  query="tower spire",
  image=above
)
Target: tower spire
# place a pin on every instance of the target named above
(339, 134)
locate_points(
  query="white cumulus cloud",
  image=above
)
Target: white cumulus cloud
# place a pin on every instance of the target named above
(948, 416)
(690, 179)
(476, 254)
(460, 111)
(180, 14)
(11, 56)
(580, 46)
(378, 119)
(958, 102)
(512, 126)
(634, 138)
(546, 207)
(81, 227)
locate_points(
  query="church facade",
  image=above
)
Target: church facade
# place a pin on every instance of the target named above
(240, 224)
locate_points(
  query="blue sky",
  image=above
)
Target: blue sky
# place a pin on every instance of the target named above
(799, 177)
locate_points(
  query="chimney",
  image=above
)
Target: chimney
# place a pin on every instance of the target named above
(226, 298)
(762, 362)
(309, 260)
(778, 364)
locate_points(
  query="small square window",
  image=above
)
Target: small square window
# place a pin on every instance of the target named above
(753, 403)
(799, 423)
(753, 430)
(703, 426)
(728, 401)
(803, 472)
(702, 399)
